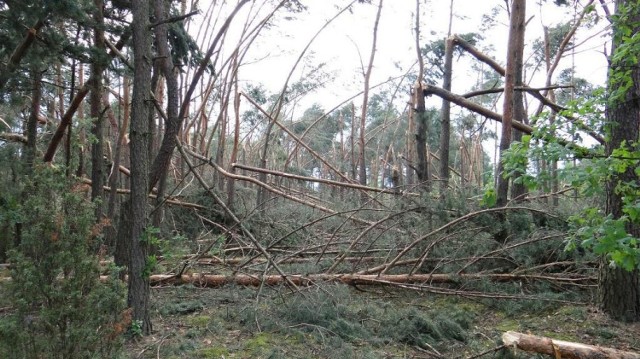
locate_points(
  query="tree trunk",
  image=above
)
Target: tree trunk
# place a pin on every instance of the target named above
(362, 174)
(97, 149)
(173, 123)
(619, 290)
(519, 190)
(422, 128)
(231, 182)
(562, 349)
(445, 133)
(262, 177)
(138, 294)
(516, 30)
(418, 109)
(32, 122)
(113, 176)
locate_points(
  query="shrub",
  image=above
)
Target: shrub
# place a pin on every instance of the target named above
(61, 309)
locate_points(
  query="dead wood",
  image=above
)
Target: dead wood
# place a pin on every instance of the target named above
(230, 213)
(535, 92)
(269, 188)
(386, 267)
(318, 180)
(562, 349)
(174, 202)
(12, 137)
(217, 280)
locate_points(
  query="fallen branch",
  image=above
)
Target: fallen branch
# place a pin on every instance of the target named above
(318, 180)
(12, 137)
(218, 280)
(562, 349)
(174, 202)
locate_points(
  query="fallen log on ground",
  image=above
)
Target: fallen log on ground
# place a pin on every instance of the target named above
(562, 349)
(217, 280)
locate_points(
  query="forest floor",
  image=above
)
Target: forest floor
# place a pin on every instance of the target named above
(337, 321)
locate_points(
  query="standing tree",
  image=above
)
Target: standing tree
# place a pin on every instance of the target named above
(362, 174)
(445, 132)
(138, 289)
(515, 46)
(419, 109)
(619, 290)
(97, 67)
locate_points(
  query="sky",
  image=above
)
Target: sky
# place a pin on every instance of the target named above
(346, 43)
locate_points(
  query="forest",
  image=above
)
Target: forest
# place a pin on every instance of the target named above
(319, 179)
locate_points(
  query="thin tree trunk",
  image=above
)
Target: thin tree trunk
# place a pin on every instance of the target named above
(113, 177)
(231, 182)
(173, 122)
(445, 134)
(97, 148)
(82, 137)
(517, 26)
(519, 189)
(362, 174)
(419, 109)
(32, 122)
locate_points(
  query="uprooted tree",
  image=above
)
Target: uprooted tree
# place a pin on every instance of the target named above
(184, 152)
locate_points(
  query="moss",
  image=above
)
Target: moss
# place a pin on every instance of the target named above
(576, 313)
(258, 343)
(213, 352)
(199, 321)
(508, 324)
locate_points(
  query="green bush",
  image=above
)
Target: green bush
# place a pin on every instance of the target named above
(60, 307)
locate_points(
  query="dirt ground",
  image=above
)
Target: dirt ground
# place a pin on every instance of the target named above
(335, 321)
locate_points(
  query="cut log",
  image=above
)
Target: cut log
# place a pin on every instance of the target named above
(562, 349)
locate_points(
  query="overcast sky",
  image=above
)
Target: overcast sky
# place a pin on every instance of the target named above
(349, 38)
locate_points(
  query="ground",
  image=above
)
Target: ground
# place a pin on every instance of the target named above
(336, 321)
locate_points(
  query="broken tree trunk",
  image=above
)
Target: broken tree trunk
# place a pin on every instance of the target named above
(216, 280)
(562, 349)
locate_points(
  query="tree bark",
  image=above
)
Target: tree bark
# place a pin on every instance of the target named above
(138, 284)
(32, 122)
(174, 122)
(97, 148)
(519, 190)
(561, 348)
(362, 173)
(619, 290)
(445, 133)
(218, 280)
(120, 144)
(418, 109)
(517, 27)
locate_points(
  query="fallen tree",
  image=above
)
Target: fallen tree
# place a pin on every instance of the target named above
(218, 280)
(562, 349)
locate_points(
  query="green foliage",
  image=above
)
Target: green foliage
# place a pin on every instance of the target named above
(335, 315)
(149, 266)
(135, 330)
(489, 197)
(61, 308)
(625, 56)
